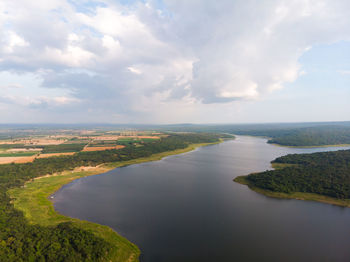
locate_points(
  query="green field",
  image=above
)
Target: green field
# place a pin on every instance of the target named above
(10, 146)
(103, 143)
(33, 201)
(62, 148)
(149, 139)
(18, 154)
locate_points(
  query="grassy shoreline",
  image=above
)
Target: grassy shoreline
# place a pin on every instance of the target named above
(296, 195)
(280, 145)
(33, 200)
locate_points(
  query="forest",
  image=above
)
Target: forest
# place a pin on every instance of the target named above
(327, 135)
(287, 134)
(326, 173)
(20, 241)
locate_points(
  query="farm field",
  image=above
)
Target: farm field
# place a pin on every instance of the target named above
(16, 159)
(55, 154)
(68, 142)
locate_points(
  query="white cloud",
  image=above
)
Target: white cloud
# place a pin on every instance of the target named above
(134, 70)
(13, 41)
(344, 72)
(131, 60)
(241, 44)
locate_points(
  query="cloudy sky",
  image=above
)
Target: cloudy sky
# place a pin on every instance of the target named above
(174, 61)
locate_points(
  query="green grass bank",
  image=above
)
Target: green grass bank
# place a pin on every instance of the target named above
(295, 195)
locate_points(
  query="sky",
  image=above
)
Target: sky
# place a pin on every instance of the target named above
(174, 61)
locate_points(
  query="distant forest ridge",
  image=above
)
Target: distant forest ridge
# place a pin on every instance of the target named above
(287, 134)
(316, 136)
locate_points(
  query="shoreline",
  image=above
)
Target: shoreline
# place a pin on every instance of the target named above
(280, 145)
(33, 199)
(296, 195)
(320, 146)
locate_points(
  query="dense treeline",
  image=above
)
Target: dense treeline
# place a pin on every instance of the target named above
(326, 173)
(20, 241)
(288, 134)
(268, 129)
(313, 136)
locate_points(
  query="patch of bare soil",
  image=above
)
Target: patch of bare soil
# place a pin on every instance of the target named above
(55, 154)
(23, 150)
(17, 159)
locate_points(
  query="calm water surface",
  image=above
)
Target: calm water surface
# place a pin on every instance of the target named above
(187, 208)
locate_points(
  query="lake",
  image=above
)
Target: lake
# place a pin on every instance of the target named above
(187, 208)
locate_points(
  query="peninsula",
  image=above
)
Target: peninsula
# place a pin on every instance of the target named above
(323, 177)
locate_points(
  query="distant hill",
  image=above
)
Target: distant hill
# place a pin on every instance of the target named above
(315, 136)
(287, 134)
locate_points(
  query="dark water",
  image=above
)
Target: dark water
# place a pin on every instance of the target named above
(187, 208)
